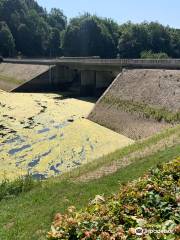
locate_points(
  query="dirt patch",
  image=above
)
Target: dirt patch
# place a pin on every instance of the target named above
(158, 89)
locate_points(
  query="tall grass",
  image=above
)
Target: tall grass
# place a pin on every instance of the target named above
(9, 189)
(148, 112)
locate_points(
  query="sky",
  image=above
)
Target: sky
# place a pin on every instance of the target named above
(166, 12)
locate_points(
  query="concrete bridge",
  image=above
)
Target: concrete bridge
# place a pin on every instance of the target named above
(90, 75)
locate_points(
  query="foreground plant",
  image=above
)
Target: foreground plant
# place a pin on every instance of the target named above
(148, 207)
(9, 189)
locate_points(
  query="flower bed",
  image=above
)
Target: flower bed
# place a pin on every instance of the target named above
(148, 208)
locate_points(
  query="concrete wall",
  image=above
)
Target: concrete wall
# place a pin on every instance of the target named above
(95, 82)
(63, 75)
(103, 80)
(124, 105)
(45, 82)
(88, 81)
(62, 78)
(14, 75)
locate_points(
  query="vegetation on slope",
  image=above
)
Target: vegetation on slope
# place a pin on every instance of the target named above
(9, 79)
(150, 204)
(145, 110)
(161, 139)
(10, 189)
(19, 218)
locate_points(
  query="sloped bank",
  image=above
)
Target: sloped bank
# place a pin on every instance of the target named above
(140, 102)
(12, 76)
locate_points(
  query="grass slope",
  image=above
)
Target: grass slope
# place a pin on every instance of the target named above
(29, 215)
(138, 146)
(148, 112)
(10, 79)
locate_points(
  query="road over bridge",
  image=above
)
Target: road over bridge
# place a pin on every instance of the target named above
(88, 74)
(97, 62)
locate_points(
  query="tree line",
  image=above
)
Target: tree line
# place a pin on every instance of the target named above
(27, 29)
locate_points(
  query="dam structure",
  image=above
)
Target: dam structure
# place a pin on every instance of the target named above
(46, 129)
(88, 76)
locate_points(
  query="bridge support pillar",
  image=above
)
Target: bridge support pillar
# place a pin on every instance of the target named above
(64, 77)
(88, 82)
(103, 80)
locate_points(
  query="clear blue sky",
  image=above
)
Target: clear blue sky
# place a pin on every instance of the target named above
(166, 12)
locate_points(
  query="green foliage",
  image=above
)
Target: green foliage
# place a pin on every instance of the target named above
(91, 36)
(133, 40)
(145, 110)
(7, 43)
(150, 203)
(32, 27)
(29, 215)
(148, 37)
(159, 37)
(33, 31)
(56, 19)
(54, 43)
(151, 55)
(10, 189)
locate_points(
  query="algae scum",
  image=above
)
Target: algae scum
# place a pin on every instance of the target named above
(43, 135)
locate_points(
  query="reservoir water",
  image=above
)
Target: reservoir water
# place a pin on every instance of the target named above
(44, 135)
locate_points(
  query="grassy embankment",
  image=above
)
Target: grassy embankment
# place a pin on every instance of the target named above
(10, 79)
(145, 110)
(9, 83)
(29, 215)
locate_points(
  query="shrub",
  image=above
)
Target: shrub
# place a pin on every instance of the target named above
(151, 55)
(10, 189)
(148, 203)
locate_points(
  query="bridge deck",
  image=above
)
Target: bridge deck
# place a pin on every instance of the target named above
(134, 63)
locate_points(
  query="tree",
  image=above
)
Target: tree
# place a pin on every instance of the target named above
(175, 43)
(7, 43)
(55, 43)
(133, 40)
(89, 36)
(159, 38)
(27, 23)
(31, 30)
(56, 19)
(40, 33)
(24, 40)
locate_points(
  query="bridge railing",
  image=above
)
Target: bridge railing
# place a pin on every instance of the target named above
(96, 61)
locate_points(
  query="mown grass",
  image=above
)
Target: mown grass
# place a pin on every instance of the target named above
(29, 215)
(147, 111)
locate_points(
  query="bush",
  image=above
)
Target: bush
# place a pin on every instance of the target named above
(150, 203)
(151, 55)
(9, 189)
